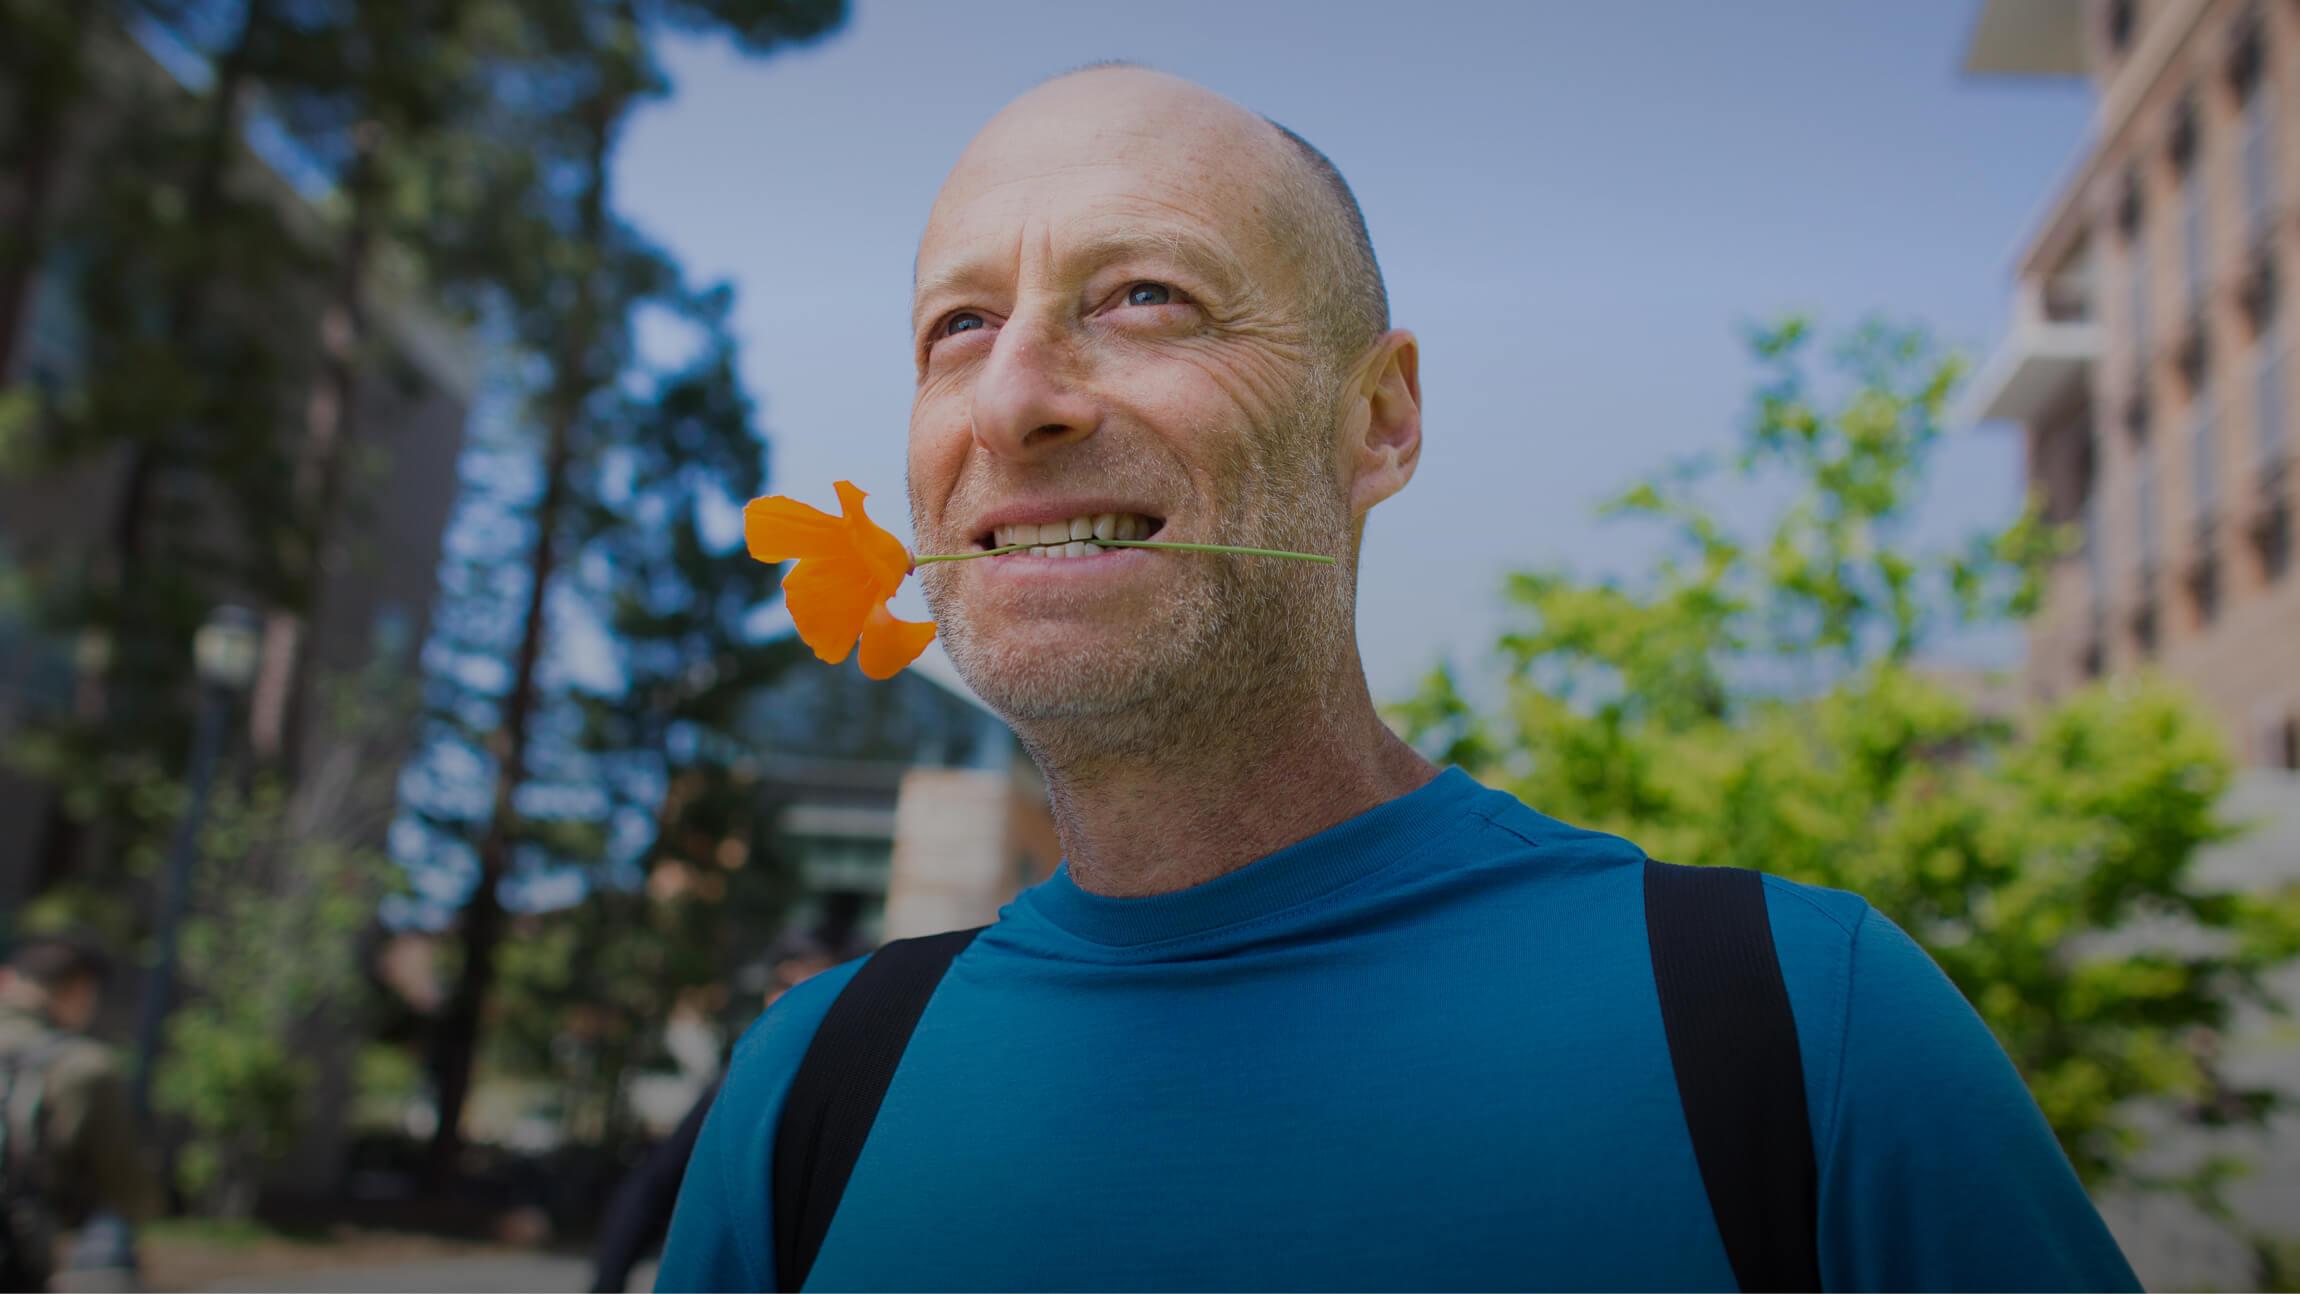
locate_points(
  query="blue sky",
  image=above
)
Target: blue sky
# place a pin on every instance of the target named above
(1577, 207)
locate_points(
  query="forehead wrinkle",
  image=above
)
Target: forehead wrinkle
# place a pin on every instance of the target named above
(1226, 169)
(1206, 256)
(973, 268)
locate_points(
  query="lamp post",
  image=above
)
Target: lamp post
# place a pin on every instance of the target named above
(224, 656)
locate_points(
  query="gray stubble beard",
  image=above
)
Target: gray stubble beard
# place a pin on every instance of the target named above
(1252, 640)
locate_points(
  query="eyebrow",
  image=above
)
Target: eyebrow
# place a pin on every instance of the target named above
(1204, 257)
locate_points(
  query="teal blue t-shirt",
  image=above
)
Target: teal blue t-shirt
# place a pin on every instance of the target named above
(1419, 1050)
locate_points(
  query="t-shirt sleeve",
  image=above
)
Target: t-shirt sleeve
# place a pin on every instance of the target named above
(1940, 1172)
(705, 1249)
(722, 1230)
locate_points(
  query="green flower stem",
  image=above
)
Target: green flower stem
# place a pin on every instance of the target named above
(924, 558)
(1213, 548)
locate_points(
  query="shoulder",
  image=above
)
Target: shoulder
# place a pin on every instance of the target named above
(1877, 1018)
(1508, 826)
(79, 1080)
(718, 1239)
(1911, 1090)
(69, 1061)
(770, 1050)
(1835, 939)
(1814, 911)
(1817, 933)
(1814, 928)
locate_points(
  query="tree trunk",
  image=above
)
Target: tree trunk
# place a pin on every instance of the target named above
(219, 146)
(146, 665)
(276, 703)
(482, 924)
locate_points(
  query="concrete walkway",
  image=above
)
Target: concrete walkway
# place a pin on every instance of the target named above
(511, 1274)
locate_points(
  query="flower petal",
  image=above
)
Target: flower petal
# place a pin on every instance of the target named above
(889, 644)
(846, 569)
(777, 529)
(829, 604)
(888, 560)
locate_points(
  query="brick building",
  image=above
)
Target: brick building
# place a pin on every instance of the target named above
(2149, 365)
(2149, 357)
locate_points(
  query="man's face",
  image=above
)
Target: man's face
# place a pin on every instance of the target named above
(1109, 335)
(72, 1005)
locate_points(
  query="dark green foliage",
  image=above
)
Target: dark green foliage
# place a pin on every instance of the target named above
(324, 163)
(1757, 702)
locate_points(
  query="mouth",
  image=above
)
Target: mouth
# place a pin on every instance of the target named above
(1072, 538)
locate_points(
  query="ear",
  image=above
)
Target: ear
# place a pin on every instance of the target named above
(1383, 421)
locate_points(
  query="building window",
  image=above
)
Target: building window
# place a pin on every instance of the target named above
(55, 351)
(2258, 295)
(2284, 743)
(2061, 463)
(842, 863)
(2269, 428)
(2192, 264)
(2203, 466)
(2120, 24)
(2181, 144)
(2129, 219)
(2095, 552)
(2136, 268)
(2259, 159)
(391, 634)
(2144, 511)
(2274, 536)
(2194, 359)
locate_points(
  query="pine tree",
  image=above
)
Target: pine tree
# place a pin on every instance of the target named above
(569, 279)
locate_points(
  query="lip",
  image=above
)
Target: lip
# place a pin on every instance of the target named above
(1101, 564)
(1041, 513)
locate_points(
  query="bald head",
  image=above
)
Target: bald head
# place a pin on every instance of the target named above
(1347, 298)
(1304, 204)
(1143, 312)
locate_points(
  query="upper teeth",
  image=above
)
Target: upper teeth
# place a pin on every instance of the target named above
(1070, 538)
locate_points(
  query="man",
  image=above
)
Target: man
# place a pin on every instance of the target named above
(1299, 1010)
(71, 1150)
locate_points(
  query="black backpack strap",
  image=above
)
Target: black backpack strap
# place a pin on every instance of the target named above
(835, 1094)
(1733, 1045)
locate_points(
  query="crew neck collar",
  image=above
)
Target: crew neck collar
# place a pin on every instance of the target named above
(1301, 872)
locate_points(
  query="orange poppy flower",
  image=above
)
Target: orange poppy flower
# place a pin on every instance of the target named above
(847, 570)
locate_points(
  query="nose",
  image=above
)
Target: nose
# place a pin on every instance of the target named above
(1029, 397)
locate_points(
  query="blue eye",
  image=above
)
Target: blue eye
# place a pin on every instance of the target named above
(961, 323)
(1149, 294)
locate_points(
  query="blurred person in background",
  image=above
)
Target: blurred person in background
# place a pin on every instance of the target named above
(70, 1156)
(1300, 1010)
(640, 1212)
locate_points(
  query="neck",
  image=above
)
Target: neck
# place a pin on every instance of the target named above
(1253, 777)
